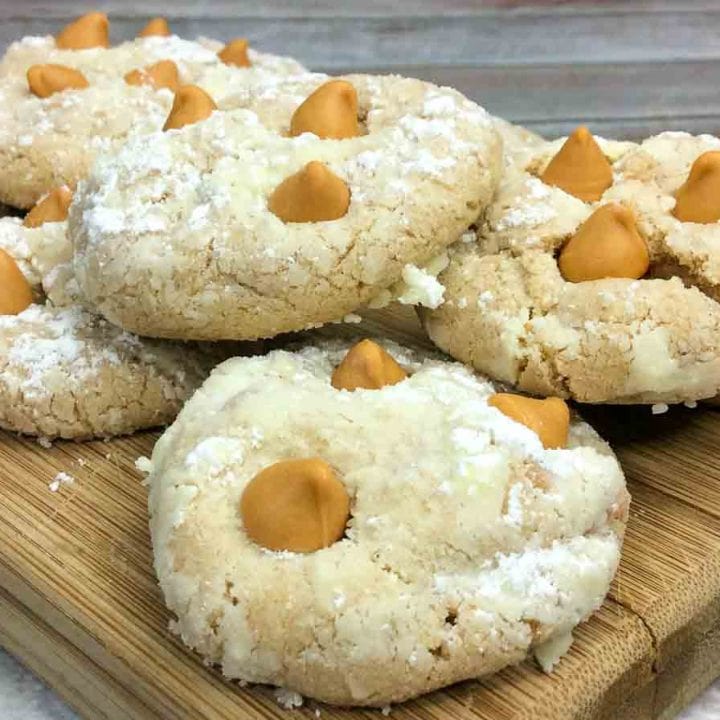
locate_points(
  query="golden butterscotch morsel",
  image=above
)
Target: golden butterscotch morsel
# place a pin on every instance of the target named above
(52, 208)
(368, 366)
(162, 74)
(549, 419)
(314, 194)
(89, 31)
(295, 505)
(156, 27)
(607, 245)
(698, 199)
(46, 80)
(235, 53)
(329, 112)
(191, 104)
(15, 290)
(579, 167)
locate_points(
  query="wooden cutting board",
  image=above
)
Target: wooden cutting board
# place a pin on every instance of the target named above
(79, 603)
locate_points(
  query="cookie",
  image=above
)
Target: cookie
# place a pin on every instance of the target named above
(365, 525)
(71, 374)
(66, 372)
(578, 291)
(60, 107)
(248, 224)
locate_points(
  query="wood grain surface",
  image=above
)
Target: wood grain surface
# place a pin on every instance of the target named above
(80, 605)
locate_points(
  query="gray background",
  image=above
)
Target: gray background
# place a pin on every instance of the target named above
(627, 69)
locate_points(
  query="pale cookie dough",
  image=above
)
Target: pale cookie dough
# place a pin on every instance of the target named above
(509, 313)
(469, 544)
(65, 372)
(173, 235)
(519, 143)
(53, 141)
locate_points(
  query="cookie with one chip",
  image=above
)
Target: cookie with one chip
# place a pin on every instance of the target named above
(365, 524)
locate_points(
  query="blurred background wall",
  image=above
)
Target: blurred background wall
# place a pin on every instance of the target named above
(626, 68)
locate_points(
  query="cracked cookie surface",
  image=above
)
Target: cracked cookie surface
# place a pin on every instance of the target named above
(66, 372)
(47, 142)
(509, 312)
(202, 256)
(468, 545)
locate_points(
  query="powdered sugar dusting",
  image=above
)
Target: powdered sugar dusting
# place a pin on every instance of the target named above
(530, 208)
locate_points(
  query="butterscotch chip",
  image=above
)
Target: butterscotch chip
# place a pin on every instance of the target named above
(156, 26)
(46, 80)
(329, 112)
(52, 208)
(367, 365)
(163, 74)
(15, 290)
(461, 525)
(698, 198)
(607, 245)
(295, 505)
(235, 53)
(191, 104)
(314, 194)
(89, 31)
(580, 168)
(549, 419)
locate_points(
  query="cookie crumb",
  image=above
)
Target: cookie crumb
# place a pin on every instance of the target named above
(386, 710)
(62, 478)
(288, 699)
(691, 404)
(548, 654)
(81, 462)
(420, 286)
(659, 408)
(352, 318)
(143, 464)
(44, 442)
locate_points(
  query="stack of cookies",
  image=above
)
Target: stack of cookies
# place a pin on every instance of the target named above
(355, 521)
